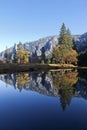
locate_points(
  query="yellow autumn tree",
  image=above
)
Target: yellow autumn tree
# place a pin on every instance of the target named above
(21, 55)
(71, 57)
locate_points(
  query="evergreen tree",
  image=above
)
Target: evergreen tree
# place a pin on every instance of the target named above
(19, 46)
(63, 43)
(63, 33)
(65, 38)
(69, 40)
(65, 48)
(43, 54)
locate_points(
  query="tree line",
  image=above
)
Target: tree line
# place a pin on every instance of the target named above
(63, 53)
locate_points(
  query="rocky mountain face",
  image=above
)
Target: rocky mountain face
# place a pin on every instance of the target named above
(44, 44)
(36, 48)
(81, 46)
(81, 43)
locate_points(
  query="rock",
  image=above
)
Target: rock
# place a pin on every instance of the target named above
(45, 45)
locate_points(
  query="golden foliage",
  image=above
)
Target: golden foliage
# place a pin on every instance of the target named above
(22, 56)
(65, 79)
(71, 57)
(64, 83)
(22, 79)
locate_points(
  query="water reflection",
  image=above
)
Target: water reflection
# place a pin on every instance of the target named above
(63, 83)
(25, 109)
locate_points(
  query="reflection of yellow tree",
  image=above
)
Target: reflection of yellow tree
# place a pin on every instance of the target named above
(21, 80)
(65, 82)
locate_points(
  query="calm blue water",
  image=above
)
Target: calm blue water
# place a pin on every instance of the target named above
(43, 101)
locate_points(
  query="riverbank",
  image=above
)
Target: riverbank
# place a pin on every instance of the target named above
(9, 68)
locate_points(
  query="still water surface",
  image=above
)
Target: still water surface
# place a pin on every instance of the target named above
(43, 101)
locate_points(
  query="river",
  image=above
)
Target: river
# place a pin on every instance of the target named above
(43, 100)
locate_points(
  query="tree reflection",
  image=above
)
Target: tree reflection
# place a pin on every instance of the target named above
(60, 83)
(21, 80)
(64, 82)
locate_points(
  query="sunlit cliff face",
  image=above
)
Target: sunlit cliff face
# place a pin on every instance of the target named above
(48, 43)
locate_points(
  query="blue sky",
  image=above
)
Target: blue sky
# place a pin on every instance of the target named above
(29, 20)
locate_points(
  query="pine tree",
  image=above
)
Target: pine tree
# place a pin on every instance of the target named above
(19, 46)
(63, 33)
(65, 48)
(69, 40)
(65, 37)
(63, 43)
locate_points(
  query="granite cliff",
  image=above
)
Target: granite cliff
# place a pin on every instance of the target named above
(36, 48)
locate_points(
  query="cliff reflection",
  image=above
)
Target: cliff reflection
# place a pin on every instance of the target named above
(65, 84)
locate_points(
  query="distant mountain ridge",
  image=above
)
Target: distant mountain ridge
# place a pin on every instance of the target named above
(35, 48)
(46, 44)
